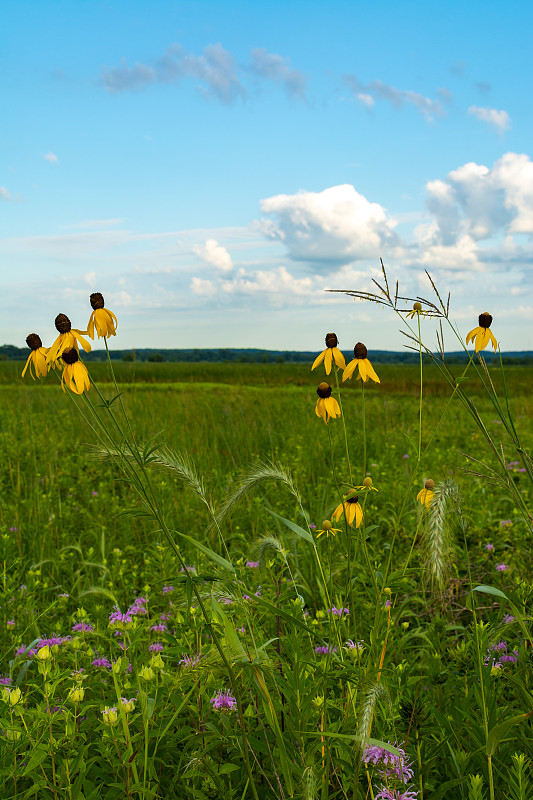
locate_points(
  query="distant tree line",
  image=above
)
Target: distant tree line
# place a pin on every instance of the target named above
(9, 352)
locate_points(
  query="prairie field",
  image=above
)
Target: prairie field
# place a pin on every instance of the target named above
(179, 622)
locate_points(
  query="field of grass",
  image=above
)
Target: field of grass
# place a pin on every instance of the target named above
(253, 657)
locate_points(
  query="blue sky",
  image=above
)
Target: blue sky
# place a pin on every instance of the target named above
(213, 167)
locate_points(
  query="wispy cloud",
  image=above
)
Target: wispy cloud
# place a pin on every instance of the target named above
(216, 69)
(399, 98)
(278, 69)
(51, 158)
(10, 198)
(499, 120)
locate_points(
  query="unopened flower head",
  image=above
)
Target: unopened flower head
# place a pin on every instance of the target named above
(326, 405)
(102, 319)
(75, 374)
(76, 694)
(110, 716)
(37, 358)
(330, 354)
(328, 529)
(482, 335)
(417, 310)
(127, 706)
(15, 696)
(361, 362)
(68, 338)
(43, 654)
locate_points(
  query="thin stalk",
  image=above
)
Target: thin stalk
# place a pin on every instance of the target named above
(344, 428)
(364, 425)
(421, 390)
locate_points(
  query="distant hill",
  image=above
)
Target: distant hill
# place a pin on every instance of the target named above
(9, 352)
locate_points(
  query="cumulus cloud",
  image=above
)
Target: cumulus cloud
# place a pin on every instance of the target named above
(399, 98)
(499, 120)
(480, 202)
(203, 288)
(213, 253)
(278, 69)
(215, 69)
(277, 287)
(51, 157)
(335, 226)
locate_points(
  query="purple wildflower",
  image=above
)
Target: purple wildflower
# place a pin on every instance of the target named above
(10, 623)
(502, 567)
(312, 526)
(167, 589)
(5, 680)
(156, 647)
(389, 764)
(94, 494)
(164, 617)
(489, 547)
(159, 628)
(395, 794)
(224, 701)
(338, 612)
(505, 523)
(508, 618)
(188, 662)
(324, 650)
(83, 626)
(101, 662)
(252, 564)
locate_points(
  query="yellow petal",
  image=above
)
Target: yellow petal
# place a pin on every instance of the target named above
(328, 360)
(318, 360)
(339, 358)
(358, 514)
(84, 343)
(371, 372)
(361, 363)
(28, 360)
(90, 326)
(339, 511)
(472, 335)
(493, 340)
(348, 372)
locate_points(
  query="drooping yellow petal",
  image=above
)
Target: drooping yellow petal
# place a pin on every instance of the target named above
(358, 514)
(27, 364)
(339, 511)
(493, 340)
(339, 358)
(328, 359)
(84, 343)
(332, 407)
(472, 335)
(361, 363)
(318, 360)
(320, 409)
(348, 372)
(371, 373)
(81, 377)
(350, 513)
(90, 326)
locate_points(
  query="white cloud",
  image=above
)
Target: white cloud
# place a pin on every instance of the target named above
(497, 119)
(203, 288)
(90, 278)
(6, 195)
(376, 89)
(213, 253)
(366, 100)
(53, 159)
(337, 225)
(481, 202)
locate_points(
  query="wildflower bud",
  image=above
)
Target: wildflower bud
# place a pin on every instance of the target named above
(110, 716)
(320, 614)
(323, 390)
(331, 340)
(76, 694)
(360, 350)
(43, 654)
(15, 697)
(386, 590)
(495, 670)
(429, 484)
(96, 300)
(157, 661)
(117, 666)
(5, 694)
(70, 356)
(62, 323)
(147, 674)
(318, 701)
(417, 306)
(127, 706)
(485, 320)
(34, 341)
(327, 525)
(12, 735)
(405, 625)
(367, 482)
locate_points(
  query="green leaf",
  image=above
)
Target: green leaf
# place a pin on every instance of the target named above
(496, 733)
(37, 758)
(294, 527)
(485, 590)
(207, 551)
(226, 768)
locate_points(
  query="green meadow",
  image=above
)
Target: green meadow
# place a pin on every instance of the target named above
(253, 652)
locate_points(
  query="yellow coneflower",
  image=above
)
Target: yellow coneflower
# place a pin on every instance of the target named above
(351, 508)
(482, 335)
(426, 494)
(328, 529)
(326, 405)
(68, 338)
(330, 354)
(361, 361)
(418, 311)
(75, 374)
(367, 485)
(102, 319)
(37, 358)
